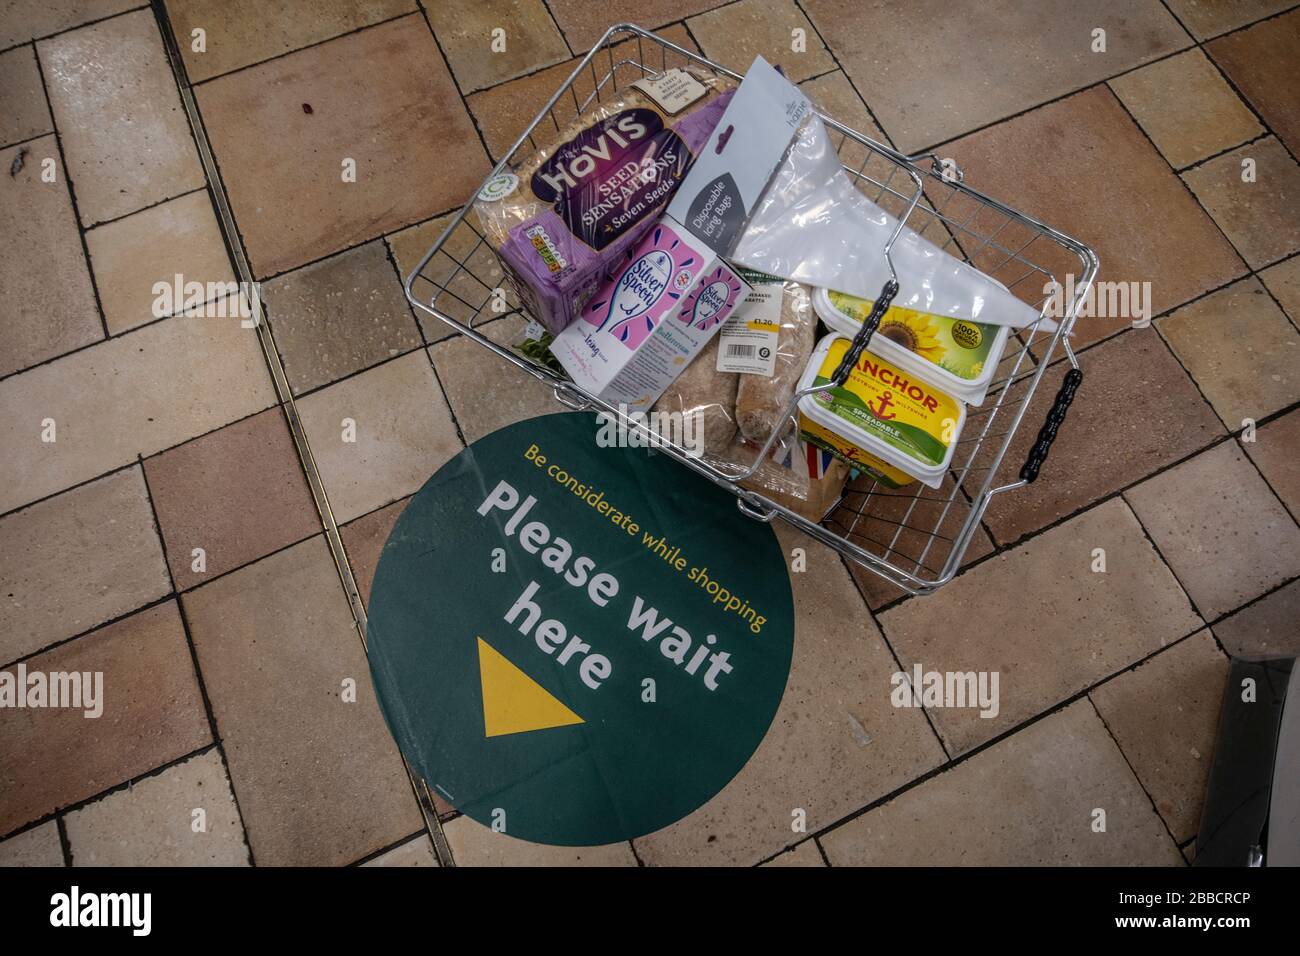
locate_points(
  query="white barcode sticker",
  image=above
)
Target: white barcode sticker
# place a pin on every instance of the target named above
(673, 90)
(747, 341)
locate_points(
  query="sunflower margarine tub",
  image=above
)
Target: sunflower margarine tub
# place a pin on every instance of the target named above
(958, 355)
(654, 312)
(883, 419)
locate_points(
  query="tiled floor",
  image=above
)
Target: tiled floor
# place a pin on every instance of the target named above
(157, 522)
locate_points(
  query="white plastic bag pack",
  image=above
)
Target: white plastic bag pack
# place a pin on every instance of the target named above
(813, 226)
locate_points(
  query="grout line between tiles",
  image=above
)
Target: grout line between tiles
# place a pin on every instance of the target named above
(1136, 778)
(889, 645)
(1252, 273)
(145, 208)
(78, 26)
(994, 741)
(1247, 26)
(59, 813)
(286, 53)
(1205, 159)
(400, 842)
(280, 381)
(64, 843)
(212, 720)
(848, 79)
(20, 143)
(72, 195)
(558, 29)
(1201, 45)
(1146, 533)
(464, 103)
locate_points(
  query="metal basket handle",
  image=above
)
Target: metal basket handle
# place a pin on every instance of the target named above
(864, 334)
(1055, 419)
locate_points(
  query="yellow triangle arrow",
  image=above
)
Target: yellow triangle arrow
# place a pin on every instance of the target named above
(512, 701)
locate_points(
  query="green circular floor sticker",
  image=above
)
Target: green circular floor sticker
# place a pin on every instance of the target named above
(576, 644)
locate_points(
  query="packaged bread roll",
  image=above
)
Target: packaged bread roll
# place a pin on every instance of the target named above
(565, 214)
(761, 399)
(709, 395)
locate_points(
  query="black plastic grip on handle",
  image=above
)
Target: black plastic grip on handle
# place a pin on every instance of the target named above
(1055, 417)
(869, 326)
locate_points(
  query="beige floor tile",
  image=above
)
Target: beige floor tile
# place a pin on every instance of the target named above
(504, 112)
(734, 34)
(1030, 800)
(1240, 349)
(243, 32)
(76, 560)
(23, 110)
(403, 434)
(154, 822)
(338, 316)
(238, 493)
(479, 55)
(805, 854)
(417, 852)
(25, 21)
(132, 395)
(1186, 107)
(38, 846)
(1220, 528)
(585, 21)
(131, 255)
(460, 291)
(1209, 18)
(834, 95)
(364, 541)
(126, 137)
(1163, 715)
(998, 58)
(1260, 61)
(152, 714)
(835, 744)
(1109, 188)
(473, 844)
(382, 98)
(1262, 218)
(44, 274)
(1283, 280)
(1266, 628)
(1043, 620)
(319, 779)
(485, 391)
(1135, 396)
(1276, 452)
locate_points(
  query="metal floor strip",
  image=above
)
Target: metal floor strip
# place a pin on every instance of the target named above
(244, 274)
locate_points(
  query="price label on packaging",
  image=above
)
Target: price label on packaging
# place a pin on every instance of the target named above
(747, 340)
(672, 90)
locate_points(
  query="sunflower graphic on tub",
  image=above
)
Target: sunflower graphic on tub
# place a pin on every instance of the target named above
(914, 331)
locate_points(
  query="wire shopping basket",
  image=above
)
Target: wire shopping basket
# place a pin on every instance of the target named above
(915, 539)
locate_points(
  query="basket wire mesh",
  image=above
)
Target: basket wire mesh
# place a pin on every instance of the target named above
(915, 537)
